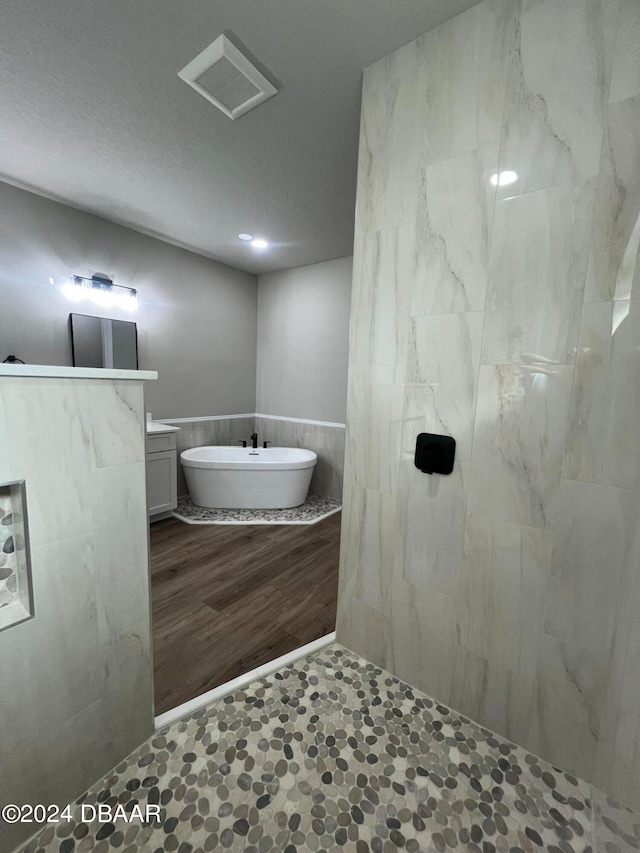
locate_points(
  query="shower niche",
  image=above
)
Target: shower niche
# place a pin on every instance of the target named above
(16, 590)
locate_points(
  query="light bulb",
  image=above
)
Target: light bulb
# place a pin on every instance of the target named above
(128, 301)
(73, 291)
(105, 298)
(245, 236)
(259, 243)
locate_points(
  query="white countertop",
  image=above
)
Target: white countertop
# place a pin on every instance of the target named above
(157, 427)
(63, 372)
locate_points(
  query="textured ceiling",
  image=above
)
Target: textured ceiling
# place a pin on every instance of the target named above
(92, 113)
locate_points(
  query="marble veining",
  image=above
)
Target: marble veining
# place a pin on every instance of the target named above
(614, 271)
(444, 354)
(519, 441)
(384, 260)
(619, 742)
(333, 753)
(556, 93)
(435, 98)
(430, 528)
(454, 234)
(502, 592)
(391, 120)
(507, 317)
(78, 691)
(602, 444)
(625, 77)
(595, 527)
(537, 275)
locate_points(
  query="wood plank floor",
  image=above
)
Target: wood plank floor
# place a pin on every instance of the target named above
(227, 598)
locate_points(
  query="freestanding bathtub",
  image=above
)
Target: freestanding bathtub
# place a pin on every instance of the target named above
(242, 478)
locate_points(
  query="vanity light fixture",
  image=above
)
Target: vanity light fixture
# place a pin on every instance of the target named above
(503, 179)
(259, 243)
(102, 291)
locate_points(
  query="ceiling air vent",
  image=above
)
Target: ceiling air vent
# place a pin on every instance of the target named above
(224, 76)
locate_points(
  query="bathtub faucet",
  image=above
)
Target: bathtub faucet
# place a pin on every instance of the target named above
(254, 439)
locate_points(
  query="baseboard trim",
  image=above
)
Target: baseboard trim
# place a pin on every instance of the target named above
(301, 421)
(198, 702)
(204, 418)
(249, 415)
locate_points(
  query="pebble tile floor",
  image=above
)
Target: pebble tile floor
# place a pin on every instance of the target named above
(310, 512)
(332, 753)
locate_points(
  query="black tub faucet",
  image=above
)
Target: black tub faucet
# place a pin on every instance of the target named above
(254, 439)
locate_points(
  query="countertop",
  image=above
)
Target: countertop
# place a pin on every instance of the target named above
(155, 427)
(63, 372)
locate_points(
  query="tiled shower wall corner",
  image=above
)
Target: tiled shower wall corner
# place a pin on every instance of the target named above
(326, 441)
(509, 318)
(76, 691)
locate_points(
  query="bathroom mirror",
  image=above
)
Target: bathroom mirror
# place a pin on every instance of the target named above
(99, 342)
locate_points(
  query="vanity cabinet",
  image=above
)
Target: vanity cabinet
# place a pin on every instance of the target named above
(162, 475)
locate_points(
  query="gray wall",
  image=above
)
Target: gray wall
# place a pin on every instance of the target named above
(303, 341)
(196, 324)
(77, 692)
(509, 319)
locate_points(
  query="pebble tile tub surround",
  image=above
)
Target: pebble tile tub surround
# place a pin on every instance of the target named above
(332, 753)
(310, 512)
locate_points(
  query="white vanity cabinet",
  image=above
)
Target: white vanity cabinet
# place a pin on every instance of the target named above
(162, 474)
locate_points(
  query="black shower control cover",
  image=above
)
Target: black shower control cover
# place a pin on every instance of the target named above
(435, 453)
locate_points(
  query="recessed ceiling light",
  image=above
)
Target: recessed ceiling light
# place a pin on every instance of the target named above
(503, 179)
(259, 243)
(245, 236)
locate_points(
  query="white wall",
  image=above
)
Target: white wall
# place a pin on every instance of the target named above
(196, 323)
(303, 341)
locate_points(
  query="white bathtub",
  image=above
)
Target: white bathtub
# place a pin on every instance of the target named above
(242, 478)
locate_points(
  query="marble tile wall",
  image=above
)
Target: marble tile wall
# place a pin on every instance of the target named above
(326, 441)
(508, 317)
(77, 679)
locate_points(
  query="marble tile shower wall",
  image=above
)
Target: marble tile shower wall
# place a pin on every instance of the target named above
(508, 317)
(326, 441)
(77, 693)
